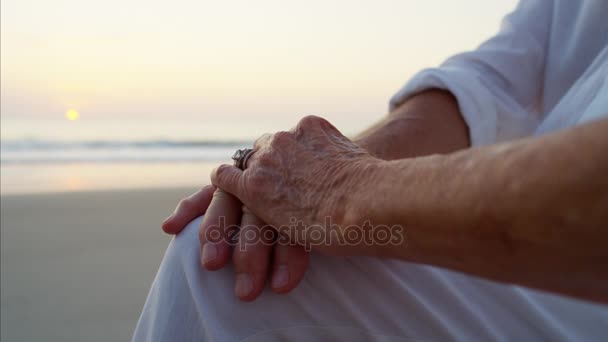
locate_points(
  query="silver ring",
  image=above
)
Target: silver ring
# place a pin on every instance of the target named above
(241, 157)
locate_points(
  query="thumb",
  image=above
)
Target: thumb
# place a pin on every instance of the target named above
(230, 179)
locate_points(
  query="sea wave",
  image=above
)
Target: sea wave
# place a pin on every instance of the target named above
(32, 151)
(35, 144)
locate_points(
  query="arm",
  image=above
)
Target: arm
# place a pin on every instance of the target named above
(499, 85)
(427, 123)
(532, 212)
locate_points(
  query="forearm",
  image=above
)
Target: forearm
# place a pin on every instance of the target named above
(531, 212)
(428, 123)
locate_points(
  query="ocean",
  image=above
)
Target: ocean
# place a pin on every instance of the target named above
(31, 151)
(38, 156)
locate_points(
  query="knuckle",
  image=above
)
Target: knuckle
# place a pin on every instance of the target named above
(242, 257)
(210, 233)
(186, 204)
(309, 124)
(281, 138)
(222, 170)
(310, 120)
(202, 237)
(251, 257)
(222, 173)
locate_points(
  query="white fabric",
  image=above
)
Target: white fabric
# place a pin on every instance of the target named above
(355, 299)
(546, 70)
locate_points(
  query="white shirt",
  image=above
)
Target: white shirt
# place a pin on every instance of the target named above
(547, 69)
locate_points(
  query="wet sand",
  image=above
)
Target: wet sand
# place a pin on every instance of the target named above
(78, 266)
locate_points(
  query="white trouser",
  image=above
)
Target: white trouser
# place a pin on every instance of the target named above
(355, 299)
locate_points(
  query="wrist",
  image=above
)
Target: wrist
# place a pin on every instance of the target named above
(362, 205)
(404, 197)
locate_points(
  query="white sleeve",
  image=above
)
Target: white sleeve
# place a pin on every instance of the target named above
(499, 85)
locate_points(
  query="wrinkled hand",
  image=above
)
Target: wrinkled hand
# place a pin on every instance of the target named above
(297, 180)
(252, 259)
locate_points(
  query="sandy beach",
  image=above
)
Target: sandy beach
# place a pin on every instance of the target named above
(78, 266)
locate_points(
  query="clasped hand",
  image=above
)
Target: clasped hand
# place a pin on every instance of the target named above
(311, 176)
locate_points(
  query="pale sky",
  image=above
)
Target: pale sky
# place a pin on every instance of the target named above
(226, 60)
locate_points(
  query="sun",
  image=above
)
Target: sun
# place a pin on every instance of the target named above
(72, 115)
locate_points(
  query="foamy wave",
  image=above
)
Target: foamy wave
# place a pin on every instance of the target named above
(149, 151)
(34, 144)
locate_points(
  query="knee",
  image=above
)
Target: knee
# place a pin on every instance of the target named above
(172, 290)
(191, 229)
(185, 247)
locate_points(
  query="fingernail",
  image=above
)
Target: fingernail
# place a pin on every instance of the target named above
(244, 285)
(209, 253)
(280, 277)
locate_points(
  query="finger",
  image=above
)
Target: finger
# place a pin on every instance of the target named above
(251, 257)
(219, 224)
(228, 178)
(188, 209)
(288, 267)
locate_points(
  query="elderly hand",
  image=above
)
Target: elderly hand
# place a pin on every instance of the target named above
(251, 259)
(305, 183)
(313, 173)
